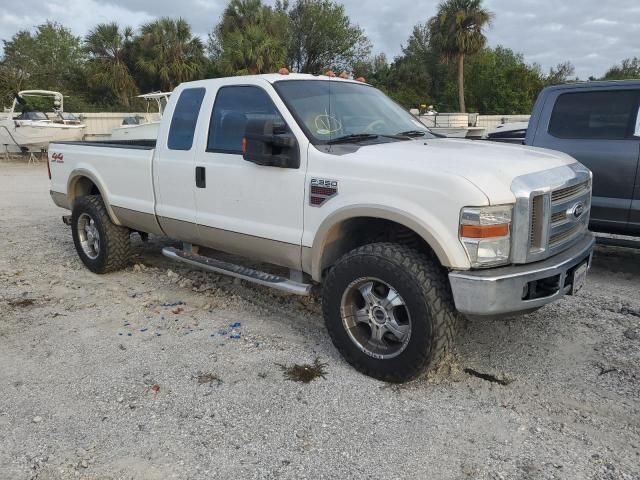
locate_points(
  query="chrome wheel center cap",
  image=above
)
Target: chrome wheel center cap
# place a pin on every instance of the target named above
(378, 315)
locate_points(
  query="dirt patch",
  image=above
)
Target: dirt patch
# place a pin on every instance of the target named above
(305, 373)
(21, 302)
(489, 377)
(208, 378)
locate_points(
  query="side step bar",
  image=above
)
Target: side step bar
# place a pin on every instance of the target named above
(238, 271)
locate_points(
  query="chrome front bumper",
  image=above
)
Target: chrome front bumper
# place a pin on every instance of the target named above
(519, 288)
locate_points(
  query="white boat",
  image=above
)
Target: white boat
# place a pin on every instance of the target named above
(132, 129)
(32, 131)
(514, 132)
(452, 125)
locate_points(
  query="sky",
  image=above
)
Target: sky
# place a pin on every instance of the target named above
(592, 34)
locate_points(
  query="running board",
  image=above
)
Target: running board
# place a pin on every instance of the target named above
(238, 271)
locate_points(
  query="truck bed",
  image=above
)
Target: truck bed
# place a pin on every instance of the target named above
(122, 170)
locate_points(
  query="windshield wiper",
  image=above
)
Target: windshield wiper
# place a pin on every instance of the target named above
(353, 137)
(413, 133)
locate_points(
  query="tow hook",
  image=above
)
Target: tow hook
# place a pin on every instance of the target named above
(66, 219)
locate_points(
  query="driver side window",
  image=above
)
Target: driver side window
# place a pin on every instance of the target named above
(234, 107)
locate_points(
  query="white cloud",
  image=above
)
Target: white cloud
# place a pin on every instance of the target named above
(601, 21)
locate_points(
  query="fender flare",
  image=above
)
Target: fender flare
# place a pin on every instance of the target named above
(315, 262)
(79, 173)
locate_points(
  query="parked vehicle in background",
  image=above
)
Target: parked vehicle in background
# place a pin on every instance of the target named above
(597, 123)
(329, 178)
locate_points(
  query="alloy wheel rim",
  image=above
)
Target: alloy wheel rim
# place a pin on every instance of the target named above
(376, 318)
(89, 236)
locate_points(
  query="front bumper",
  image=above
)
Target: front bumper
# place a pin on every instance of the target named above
(519, 288)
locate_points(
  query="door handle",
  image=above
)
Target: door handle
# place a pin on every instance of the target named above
(201, 177)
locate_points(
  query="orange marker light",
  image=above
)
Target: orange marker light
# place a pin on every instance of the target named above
(330, 73)
(283, 71)
(484, 231)
(244, 145)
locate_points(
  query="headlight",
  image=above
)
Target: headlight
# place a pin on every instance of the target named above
(485, 233)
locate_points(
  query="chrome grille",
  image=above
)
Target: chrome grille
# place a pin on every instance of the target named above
(569, 192)
(537, 219)
(565, 226)
(558, 217)
(558, 239)
(551, 211)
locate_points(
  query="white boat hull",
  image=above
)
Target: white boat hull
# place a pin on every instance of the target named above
(144, 131)
(35, 136)
(450, 132)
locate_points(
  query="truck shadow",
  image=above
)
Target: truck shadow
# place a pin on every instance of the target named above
(502, 352)
(620, 260)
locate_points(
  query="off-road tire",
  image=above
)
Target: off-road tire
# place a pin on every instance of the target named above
(423, 284)
(115, 244)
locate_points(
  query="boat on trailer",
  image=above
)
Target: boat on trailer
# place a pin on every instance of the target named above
(133, 129)
(32, 130)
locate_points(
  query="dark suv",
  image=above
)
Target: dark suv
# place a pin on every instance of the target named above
(598, 123)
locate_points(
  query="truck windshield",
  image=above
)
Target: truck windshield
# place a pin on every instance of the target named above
(332, 111)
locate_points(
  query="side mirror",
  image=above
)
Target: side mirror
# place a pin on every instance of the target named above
(267, 142)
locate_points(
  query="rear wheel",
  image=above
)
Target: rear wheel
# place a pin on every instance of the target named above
(101, 245)
(389, 310)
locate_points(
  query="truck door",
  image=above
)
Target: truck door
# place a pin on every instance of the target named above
(244, 208)
(596, 127)
(634, 214)
(173, 167)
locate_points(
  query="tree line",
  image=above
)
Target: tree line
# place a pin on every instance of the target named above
(444, 62)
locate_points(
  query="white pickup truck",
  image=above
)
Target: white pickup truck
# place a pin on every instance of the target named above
(330, 179)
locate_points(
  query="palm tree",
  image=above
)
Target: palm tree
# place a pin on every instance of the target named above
(171, 52)
(456, 31)
(106, 45)
(240, 14)
(251, 52)
(250, 39)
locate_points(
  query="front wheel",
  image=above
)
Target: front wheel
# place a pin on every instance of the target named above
(101, 245)
(389, 310)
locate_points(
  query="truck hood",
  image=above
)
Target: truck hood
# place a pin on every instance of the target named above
(491, 166)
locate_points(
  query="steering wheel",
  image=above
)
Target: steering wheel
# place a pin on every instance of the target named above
(372, 126)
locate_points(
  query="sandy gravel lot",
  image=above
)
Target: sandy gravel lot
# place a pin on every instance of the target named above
(160, 372)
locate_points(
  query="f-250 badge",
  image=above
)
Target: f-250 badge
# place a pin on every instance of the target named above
(322, 190)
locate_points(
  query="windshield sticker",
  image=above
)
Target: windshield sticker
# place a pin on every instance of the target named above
(327, 124)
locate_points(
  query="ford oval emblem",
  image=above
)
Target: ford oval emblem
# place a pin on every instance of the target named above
(578, 209)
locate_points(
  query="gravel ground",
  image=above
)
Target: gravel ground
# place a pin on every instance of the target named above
(160, 372)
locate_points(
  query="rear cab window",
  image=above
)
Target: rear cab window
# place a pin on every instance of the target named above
(185, 118)
(596, 115)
